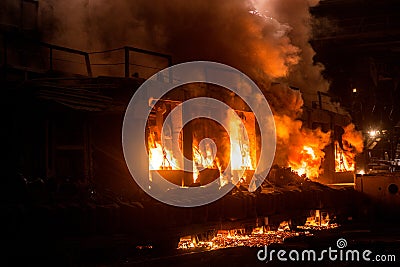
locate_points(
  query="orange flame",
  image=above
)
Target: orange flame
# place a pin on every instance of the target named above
(161, 158)
(307, 161)
(303, 165)
(240, 151)
(352, 145)
(300, 148)
(203, 158)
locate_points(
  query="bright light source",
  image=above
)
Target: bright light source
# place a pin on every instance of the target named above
(354, 90)
(373, 133)
(362, 172)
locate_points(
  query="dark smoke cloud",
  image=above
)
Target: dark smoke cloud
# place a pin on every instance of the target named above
(273, 45)
(222, 31)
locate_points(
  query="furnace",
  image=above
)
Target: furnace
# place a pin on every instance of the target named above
(206, 143)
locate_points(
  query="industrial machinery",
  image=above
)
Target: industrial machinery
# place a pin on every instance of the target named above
(378, 171)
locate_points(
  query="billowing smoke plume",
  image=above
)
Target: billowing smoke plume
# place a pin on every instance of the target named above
(266, 39)
(307, 73)
(272, 43)
(222, 31)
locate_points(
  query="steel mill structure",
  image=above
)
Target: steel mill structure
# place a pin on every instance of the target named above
(65, 180)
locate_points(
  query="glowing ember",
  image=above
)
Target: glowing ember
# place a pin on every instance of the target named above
(237, 238)
(260, 236)
(319, 221)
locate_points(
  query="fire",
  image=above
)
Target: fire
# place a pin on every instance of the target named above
(261, 235)
(240, 151)
(307, 164)
(319, 220)
(305, 156)
(308, 161)
(300, 148)
(343, 161)
(205, 152)
(345, 152)
(204, 157)
(161, 158)
(206, 160)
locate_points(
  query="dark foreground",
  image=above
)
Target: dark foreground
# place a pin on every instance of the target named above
(382, 239)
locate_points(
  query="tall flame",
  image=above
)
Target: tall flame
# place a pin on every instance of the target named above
(240, 151)
(352, 144)
(204, 157)
(161, 158)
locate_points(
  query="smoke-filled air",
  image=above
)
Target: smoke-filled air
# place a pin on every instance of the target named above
(266, 39)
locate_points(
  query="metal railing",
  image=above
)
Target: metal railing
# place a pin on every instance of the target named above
(52, 47)
(129, 49)
(126, 62)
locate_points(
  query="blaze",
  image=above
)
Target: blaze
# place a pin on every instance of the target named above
(240, 154)
(345, 153)
(307, 162)
(300, 148)
(343, 161)
(204, 156)
(161, 158)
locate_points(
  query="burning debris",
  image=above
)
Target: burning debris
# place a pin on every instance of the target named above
(319, 220)
(260, 236)
(238, 238)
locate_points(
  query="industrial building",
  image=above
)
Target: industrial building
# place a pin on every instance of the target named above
(65, 178)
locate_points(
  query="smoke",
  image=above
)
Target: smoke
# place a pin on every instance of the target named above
(222, 31)
(306, 74)
(266, 39)
(352, 143)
